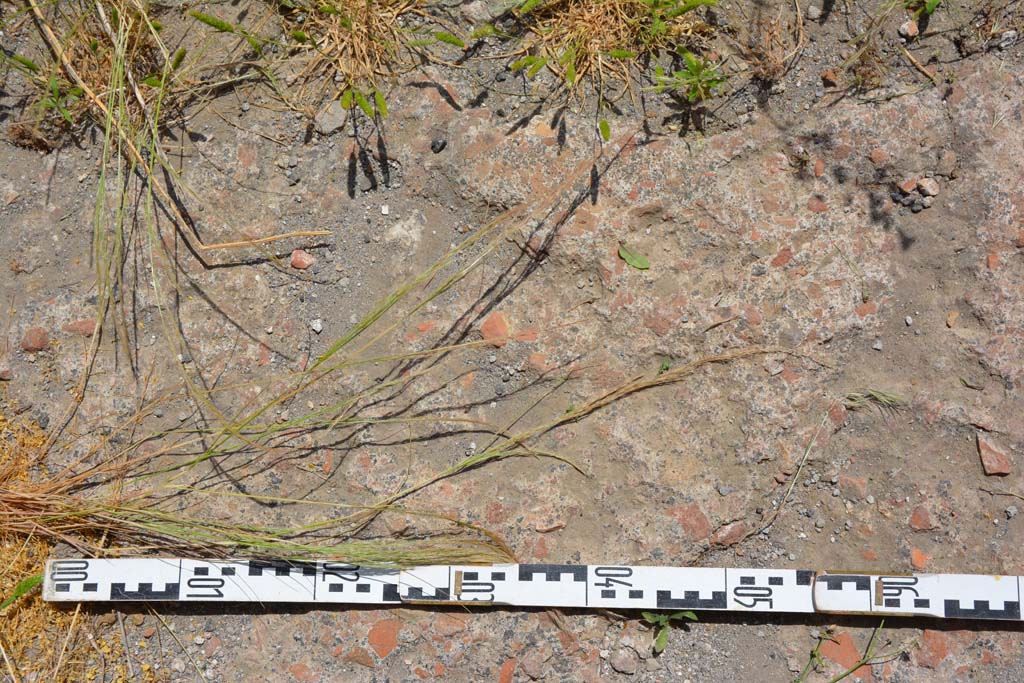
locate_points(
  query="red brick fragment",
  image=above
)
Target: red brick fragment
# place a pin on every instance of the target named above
(817, 205)
(934, 648)
(995, 461)
(302, 672)
(302, 259)
(843, 651)
(729, 534)
(878, 156)
(495, 329)
(694, 522)
(35, 339)
(358, 655)
(383, 636)
(84, 328)
(921, 519)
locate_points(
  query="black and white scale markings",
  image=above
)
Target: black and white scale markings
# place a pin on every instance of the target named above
(950, 596)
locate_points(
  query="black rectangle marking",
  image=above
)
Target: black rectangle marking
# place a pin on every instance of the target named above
(497, 576)
(803, 577)
(636, 594)
(281, 567)
(746, 580)
(336, 588)
(922, 602)
(691, 600)
(834, 582)
(227, 571)
(62, 587)
(981, 610)
(470, 576)
(416, 593)
(774, 580)
(362, 588)
(90, 587)
(170, 592)
(553, 572)
(608, 594)
(201, 571)
(892, 602)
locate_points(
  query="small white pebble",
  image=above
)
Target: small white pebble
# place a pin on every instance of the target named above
(384, 210)
(909, 321)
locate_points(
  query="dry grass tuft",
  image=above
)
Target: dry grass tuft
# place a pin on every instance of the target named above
(96, 39)
(356, 45)
(883, 400)
(769, 44)
(600, 41)
(37, 641)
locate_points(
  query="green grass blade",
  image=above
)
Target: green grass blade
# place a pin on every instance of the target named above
(213, 22)
(23, 587)
(449, 39)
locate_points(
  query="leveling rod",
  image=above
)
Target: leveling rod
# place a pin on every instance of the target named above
(945, 596)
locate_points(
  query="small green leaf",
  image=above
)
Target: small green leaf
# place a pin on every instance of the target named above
(449, 38)
(931, 6)
(254, 42)
(570, 73)
(363, 104)
(634, 259)
(529, 5)
(327, 9)
(679, 616)
(382, 106)
(26, 62)
(606, 130)
(662, 369)
(483, 32)
(680, 10)
(622, 54)
(346, 99)
(522, 63)
(157, 26)
(178, 58)
(661, 641)
(421, 42)
(300, 37)
(23, 587)
(692, 65)
(537, 66)
(153, 81)
(213, 22)
(651, 617)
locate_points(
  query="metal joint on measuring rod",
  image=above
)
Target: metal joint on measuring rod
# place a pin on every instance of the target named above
(948, 596)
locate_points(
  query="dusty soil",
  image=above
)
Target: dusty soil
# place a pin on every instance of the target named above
(780, 224)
